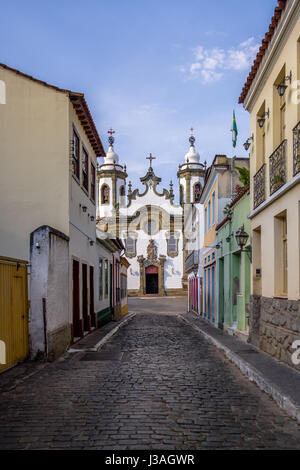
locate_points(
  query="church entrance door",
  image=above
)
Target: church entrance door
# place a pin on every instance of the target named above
(152, 280)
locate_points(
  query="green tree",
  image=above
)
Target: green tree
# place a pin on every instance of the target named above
(244, 176)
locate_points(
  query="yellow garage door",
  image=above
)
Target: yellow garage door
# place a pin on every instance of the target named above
(13, 312)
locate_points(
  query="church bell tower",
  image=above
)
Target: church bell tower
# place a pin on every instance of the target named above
(191, 175)
(111, 182)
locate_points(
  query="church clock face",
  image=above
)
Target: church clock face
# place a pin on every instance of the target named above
(150, 227)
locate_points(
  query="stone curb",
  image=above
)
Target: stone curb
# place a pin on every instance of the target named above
(105, 338)
(253, 374)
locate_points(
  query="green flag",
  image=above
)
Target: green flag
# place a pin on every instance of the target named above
(234, 131)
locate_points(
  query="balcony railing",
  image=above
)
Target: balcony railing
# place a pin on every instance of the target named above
(278, 167)
(259, 186)
(296, 151)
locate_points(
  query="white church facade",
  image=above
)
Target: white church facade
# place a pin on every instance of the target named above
(155, 230)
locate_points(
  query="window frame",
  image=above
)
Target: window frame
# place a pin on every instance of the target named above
(85, 176)
(93, 183)
(100, 287)
(75, 159)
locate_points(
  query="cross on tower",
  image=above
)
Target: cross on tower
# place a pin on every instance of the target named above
(111, 139)
(150, 158)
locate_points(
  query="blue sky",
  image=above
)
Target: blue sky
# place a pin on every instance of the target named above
(150, 69)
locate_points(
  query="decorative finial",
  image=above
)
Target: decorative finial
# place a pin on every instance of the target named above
(205, 164)
(192, 139)
(124, 167)
(150, 158)
(171, 188)
(111, 139)
(129, 187)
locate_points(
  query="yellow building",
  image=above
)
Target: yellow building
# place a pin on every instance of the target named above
(48, 197)
(218, 191)
(271, 95)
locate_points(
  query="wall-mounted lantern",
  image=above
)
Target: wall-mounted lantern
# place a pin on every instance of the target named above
(261, 120)
(248, 143)
(282, 86)
(241, 238)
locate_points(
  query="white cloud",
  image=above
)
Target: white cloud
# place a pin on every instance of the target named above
(210, 64)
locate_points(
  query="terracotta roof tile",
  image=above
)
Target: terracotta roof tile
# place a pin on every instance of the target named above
(263, 48)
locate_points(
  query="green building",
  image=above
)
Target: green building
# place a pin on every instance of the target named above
(233, 266)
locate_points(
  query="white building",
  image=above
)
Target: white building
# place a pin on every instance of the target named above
(156, 231)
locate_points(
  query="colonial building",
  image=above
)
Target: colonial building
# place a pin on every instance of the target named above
(233, 266)
(49, 267)
(271, 95)
(150, 223)
(219, 189)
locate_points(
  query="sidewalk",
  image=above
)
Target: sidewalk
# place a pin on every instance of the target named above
(273, 377)
(93, 341)
(11, 378)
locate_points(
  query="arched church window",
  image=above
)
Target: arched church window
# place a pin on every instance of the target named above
(172, 244)
(181, 194)
(197, 192)
(105, 194)
(122, 191)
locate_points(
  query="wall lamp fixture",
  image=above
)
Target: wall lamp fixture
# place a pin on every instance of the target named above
(84, 208)
(248, 143)
(261, 120)
(241, 238)
(282, 86)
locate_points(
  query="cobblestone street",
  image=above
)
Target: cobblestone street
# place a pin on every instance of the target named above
(157, 384)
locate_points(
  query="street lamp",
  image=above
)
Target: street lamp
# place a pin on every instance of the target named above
(282, 86)
(261, 120)
(241, 238)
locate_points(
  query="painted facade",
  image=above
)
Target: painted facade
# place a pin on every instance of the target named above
(271, 96)
(233, 268)
(221, 181)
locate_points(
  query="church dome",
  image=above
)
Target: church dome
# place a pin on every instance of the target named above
(111, 156)
(192, 156)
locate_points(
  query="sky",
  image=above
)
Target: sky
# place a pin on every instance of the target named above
(151, 70)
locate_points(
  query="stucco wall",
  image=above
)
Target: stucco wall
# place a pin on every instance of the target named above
(34, 162)
(50, 331)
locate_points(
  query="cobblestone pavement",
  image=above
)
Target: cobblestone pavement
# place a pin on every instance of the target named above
(164, 387)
